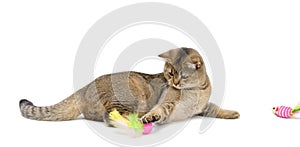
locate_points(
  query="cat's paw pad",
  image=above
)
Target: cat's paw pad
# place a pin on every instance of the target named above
(151, 117)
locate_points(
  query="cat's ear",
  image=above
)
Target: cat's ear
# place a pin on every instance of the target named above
(168, 55)
(164, 55)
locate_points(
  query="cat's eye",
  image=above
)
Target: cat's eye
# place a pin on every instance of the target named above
(171, 74)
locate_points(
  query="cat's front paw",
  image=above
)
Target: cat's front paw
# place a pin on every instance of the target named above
(151, 117)
(229, 114)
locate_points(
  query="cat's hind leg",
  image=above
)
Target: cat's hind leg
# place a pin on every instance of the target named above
(212, 110)
(107, 120)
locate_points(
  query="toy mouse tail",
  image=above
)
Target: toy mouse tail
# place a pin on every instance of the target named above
(296, 109)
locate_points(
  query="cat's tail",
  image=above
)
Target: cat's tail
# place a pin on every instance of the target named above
(64, 110)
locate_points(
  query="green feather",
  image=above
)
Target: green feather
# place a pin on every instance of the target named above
(135, 123)
(295, 110)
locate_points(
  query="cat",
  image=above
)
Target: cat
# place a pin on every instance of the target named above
(180, 92)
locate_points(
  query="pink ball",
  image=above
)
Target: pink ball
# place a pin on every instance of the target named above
(147, 128)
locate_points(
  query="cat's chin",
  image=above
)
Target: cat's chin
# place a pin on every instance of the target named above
(184, 87)
(176, 87)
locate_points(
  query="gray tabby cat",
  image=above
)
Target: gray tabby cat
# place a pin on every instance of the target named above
(180, 92)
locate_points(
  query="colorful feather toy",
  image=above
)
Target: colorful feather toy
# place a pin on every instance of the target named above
(131, 125)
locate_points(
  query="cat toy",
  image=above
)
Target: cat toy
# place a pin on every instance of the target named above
(131, 125)
(287, 112)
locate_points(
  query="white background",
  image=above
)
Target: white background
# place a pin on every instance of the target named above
(259, 41)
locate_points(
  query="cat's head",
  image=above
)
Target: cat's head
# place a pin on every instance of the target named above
(184, 68)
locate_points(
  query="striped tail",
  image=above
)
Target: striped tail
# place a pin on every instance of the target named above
(65, 110)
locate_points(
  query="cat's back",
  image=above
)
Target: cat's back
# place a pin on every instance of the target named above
(126, 84)
(127, 78)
